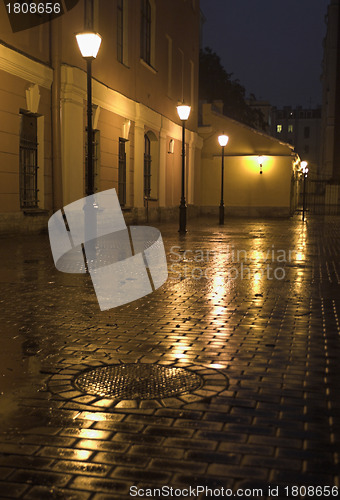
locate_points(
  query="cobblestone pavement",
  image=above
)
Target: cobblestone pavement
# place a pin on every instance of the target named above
(252, 307)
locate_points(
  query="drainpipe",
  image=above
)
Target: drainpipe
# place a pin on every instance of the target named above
(55, 58)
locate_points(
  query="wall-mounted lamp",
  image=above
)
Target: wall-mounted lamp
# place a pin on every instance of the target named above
(171, 147)
(260, 160)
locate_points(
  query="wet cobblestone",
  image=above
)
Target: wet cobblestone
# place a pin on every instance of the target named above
(276, 341)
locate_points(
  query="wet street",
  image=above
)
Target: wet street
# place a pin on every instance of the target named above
(242, 349)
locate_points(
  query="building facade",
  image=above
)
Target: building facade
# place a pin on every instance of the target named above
(147, 64)
(331, 95)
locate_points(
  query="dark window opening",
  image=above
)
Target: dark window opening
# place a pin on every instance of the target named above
(122, 173)
(120, 30)
(145, 41)
(28, 168)
(147, 167)
(306, 132)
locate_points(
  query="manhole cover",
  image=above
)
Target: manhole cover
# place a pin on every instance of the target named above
(137, 381)
(127, 383)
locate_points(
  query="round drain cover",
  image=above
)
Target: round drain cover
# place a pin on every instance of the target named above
(137, 381)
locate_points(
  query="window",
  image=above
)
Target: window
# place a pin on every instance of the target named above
(306, 148)
(122, 172)
(91, 15)
(279, 129)
(28, 167)
(145, 42)
(147, 167)
(96, 161)
(306, 132)
(290, 128)
(122, 31)
(169, 39)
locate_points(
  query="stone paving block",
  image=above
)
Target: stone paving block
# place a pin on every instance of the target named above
(168, 431)
(24, 461)
(97, 445)
(77, 467)
(12, 490)
(188, 444)
(40, 477)
(214, 457)
(86, 433)
(158, 451)
(118, 426)
(132, 474)
(269, 462)
(64, 453)
(5, 472)
(178, 465)
(98, 485)
(22, 449)
(46, 493)
(247, 448)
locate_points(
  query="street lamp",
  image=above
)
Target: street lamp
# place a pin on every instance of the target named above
(183, 113)
(260, 160)
(89, 44)
(304, 169)
(223, 141)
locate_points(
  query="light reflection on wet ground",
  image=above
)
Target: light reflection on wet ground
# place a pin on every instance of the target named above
(274, 338)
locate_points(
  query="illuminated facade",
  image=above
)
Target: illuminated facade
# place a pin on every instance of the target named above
(274, 193)
(147, 63)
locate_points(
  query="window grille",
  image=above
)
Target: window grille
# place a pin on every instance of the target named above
(122, 173)
(147, 167)
(28, 167)
(96, 161)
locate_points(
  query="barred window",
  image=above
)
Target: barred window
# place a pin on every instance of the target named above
(122, 172)
(147, 167)
(96, 161)
(28, 167)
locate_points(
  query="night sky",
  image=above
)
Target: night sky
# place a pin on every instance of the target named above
(274, 47)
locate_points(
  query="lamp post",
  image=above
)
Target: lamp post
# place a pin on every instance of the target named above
(260, 160)
(89, 44)
(183, 112)
(304, 173)
(223, 141)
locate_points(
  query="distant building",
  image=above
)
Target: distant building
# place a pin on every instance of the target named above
(266, 109)
(302, 129)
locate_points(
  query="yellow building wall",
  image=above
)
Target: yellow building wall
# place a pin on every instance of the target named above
(244, 186)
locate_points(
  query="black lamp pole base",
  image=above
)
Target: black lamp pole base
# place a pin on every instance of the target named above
(182, 219)
(221, 218)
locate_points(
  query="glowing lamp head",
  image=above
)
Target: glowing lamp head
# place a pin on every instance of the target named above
(223, 140)
(89, 44)
(183, 111)
(304, 167)
(260, 160)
